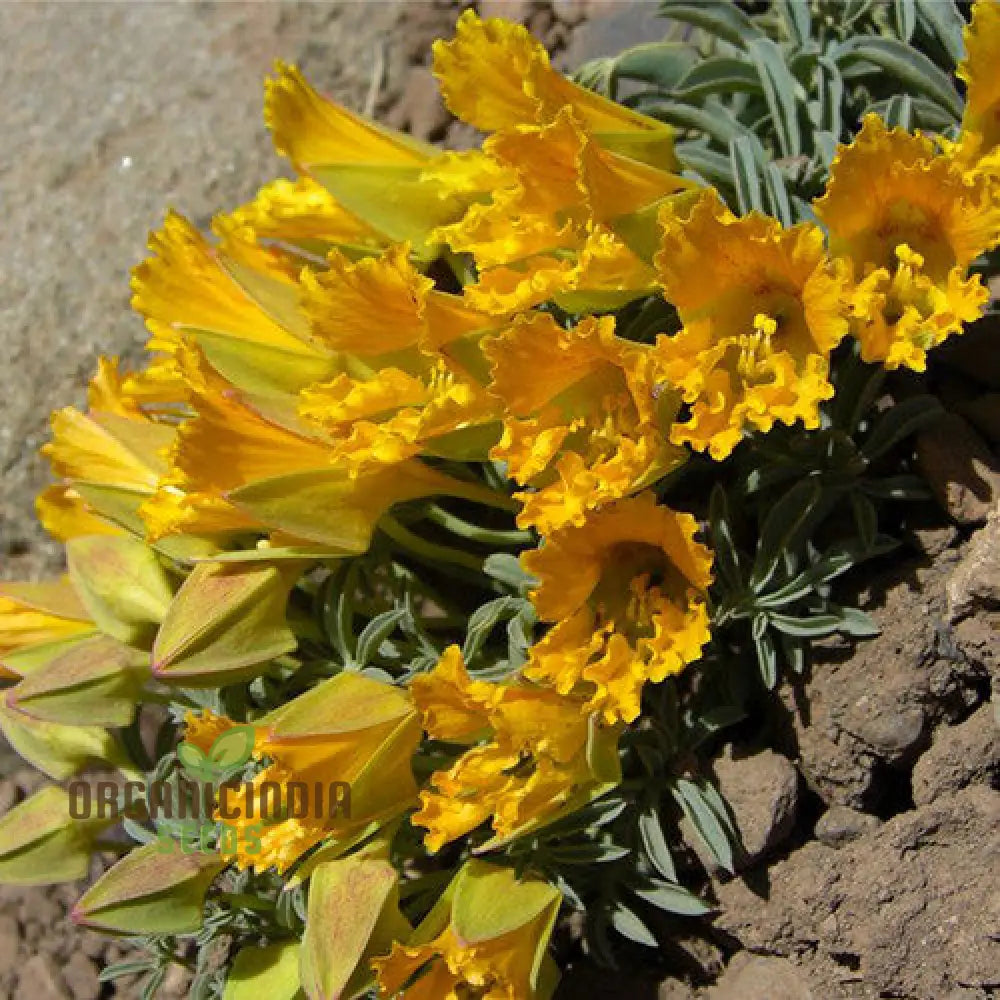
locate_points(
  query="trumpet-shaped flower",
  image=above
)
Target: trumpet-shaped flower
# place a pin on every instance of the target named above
(909, 221)
(236, 469)
(108, 459)
(626, 592)
(978, 145)
(535, 755)
(486, 938)
(582, 421)
(546, 233)
(399, 187)
(303, 214)
(349, 730)
(761, 308)
(38, 617)
(495, 75)
(237, 300)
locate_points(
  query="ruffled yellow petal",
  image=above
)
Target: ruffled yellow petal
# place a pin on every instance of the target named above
(236, 290)
(311, 130)
(532, 763)
(582, 416)
(758, 325)
(371, 307)
(302, 211)
(495, 75)
(909, 220)
(626, 593)
(979, 138)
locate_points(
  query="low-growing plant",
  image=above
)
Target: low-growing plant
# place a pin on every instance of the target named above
(467, 500)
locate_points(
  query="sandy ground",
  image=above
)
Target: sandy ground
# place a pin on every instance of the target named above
(111, 112)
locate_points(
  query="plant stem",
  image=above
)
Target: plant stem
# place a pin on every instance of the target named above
(474, 532)
(425, 550)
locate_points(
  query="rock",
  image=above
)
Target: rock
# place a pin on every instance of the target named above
(613, 26)
(762, 790)
(840, 825)
(960, 468)
(975, 582)
(909, 909)
(40, 979)
(891, 736)
(761, 977)
(81, 977)
(960, 756)
(868, 708)
(420, 108)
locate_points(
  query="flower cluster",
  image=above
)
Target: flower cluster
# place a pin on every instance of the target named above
(401, 343)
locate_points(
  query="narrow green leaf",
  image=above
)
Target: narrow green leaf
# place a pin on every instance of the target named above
(662, 64)
(707, 824)
(719, 18)
(946, 23)
(904, 18)
(777, 195)
(781, 528)
(655, 845)
(717, 75)
(780, 92)
(865, 517)
(767, 659)
(906, 64)
(744, 164)
(726, 557)
(376, 632)
(797, 18)
(673, 898)
(900, 422)
(631, 926)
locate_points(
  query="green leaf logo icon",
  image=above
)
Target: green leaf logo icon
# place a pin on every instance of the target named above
(230, 749)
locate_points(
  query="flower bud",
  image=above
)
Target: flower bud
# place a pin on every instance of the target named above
(40, 842)
(150, 892)
(122, 583)
(271, 972)
(353, 916)
(226, 619)
(96, 679)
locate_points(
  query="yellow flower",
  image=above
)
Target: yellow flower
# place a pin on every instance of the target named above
(415, 373)
(582, 417)
(399, 187)
(36, 615)
(546, 233)
(350, 730)
(305, 215)
(235, 468)
(108, 459)
(486, 938)
(979, 138)
(538, 755)
(909, 221)
(761, 308)
(627, 593)
(238, 300)
(494, 75)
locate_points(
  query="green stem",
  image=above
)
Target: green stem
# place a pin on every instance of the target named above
(425, 550)
(474, 532)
